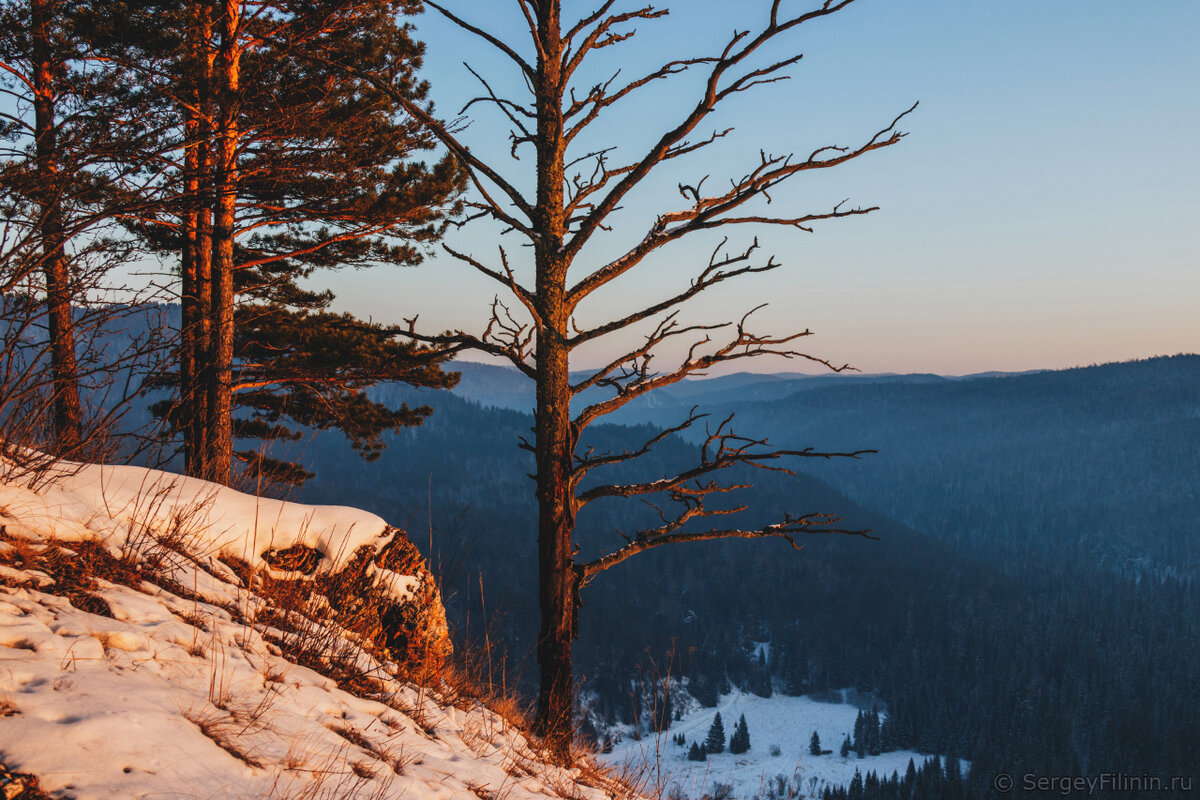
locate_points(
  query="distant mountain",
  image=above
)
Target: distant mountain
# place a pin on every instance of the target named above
(1105, 456)
(498, 386)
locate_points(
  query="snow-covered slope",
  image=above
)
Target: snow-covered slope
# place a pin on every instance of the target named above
(133, 667)
(781, 729)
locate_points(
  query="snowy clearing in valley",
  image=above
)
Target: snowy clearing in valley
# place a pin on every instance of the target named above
(779, 721)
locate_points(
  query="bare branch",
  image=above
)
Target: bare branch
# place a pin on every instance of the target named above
(669, 534)
(721, 450)
(738, 49)
(713, 211)
(602, 35)
(589, 461)
(743, 345)
(510, 110)
(529, 71)
(714, 273)
(477, 166)
(453, 342)
(506, 278)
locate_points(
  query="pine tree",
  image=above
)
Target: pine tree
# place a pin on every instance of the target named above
(855, 791)
(872, 733)
(291, 166)
(69, 144)
(814, 746)
(662, 712)
(761, 682)
(845, 751)
(697, 753)
(887, 735)
(715, 741)
(36, 48)
(860, 735)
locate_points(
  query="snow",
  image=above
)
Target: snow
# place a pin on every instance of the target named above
(786, 722)
(189, 697)
(117, 504)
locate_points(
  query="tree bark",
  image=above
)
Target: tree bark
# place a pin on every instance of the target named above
(219, 431)
(67, 411)
(195, 297)
(557, 580)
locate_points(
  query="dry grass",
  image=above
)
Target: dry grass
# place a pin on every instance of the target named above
(335, 777)
(354, 736)
(223, 729)
(73, 569)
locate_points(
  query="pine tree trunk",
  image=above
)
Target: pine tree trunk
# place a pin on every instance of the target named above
(557, 577)
(195, 327)
(68, 413)
(219, 432)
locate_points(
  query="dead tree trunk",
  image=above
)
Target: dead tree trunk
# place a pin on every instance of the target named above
(558, 585)
(68, 412)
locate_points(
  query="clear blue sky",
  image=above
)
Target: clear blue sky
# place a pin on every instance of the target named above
(1044, 211)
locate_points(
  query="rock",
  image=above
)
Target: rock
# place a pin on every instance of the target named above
(415, 630)
(407, 627)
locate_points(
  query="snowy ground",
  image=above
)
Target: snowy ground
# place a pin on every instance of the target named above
(135, 691)
(784, 722)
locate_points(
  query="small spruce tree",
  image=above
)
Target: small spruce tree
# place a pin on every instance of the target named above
(860, 735)
(845, 747)
(715, 741)
(814, 746)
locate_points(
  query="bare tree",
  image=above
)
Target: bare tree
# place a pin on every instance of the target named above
(576, 196)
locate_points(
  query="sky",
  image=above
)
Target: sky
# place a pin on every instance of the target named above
(1041, 213)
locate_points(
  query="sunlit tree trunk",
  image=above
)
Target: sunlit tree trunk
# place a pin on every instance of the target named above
(196, 294)
(219, 433)
(555, 434)
(68, 414)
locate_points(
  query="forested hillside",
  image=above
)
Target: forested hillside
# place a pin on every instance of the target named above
(1020, 620)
